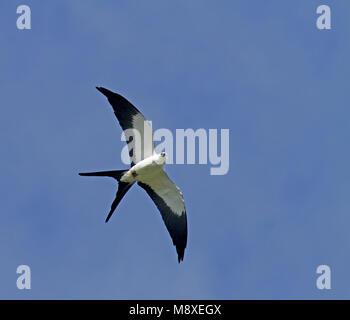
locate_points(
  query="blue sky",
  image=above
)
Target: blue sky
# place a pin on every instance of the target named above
(260, 68)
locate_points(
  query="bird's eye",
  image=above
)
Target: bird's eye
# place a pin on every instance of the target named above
(163, 154)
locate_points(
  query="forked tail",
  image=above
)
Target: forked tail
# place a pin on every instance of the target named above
(116, 174)
(123, 187)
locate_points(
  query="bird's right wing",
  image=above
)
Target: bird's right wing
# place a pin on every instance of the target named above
(131, 118)
(169, 201)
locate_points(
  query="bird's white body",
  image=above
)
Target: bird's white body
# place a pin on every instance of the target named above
(145, 169)
(151, 172)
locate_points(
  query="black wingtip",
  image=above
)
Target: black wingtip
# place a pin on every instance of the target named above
(105, 91)
(180, 254)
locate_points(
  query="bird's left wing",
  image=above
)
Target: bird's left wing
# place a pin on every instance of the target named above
(131, 118)
(169, 201)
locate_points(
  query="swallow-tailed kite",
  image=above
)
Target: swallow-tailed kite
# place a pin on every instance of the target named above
(147, 169)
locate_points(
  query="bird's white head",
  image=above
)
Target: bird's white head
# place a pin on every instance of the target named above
(162, 157)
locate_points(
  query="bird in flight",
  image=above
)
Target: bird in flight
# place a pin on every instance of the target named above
(147, 169)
